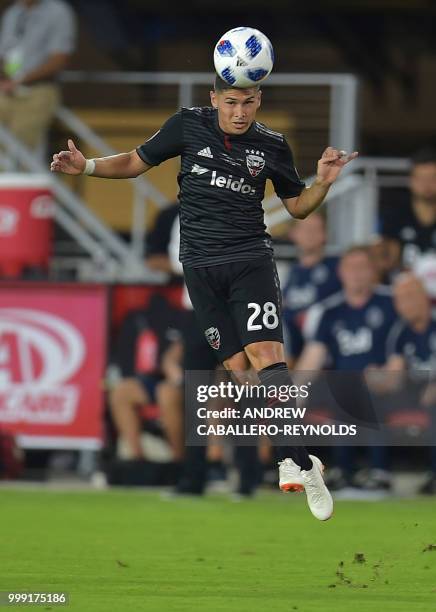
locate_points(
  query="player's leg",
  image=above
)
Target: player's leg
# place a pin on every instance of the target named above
(297, 469)
(214, 318)
(255, 300)
(248, 366)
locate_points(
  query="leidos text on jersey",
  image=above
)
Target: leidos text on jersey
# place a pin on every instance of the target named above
(230, 183)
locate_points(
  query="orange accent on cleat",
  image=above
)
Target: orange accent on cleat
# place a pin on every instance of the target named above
(292, 488)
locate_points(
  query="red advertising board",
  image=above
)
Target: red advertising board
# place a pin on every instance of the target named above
(52, 362)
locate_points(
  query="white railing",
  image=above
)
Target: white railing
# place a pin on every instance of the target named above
(353, 200)
(113, 258)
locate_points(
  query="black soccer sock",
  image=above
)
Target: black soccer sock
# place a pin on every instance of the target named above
(277, 375)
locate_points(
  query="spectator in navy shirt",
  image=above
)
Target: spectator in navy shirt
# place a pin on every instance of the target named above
(408, 217)
(412, 347)
(349, 332)
(312, 278)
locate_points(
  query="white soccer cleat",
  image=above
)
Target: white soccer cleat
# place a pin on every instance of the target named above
(319, 499)
(290, 474)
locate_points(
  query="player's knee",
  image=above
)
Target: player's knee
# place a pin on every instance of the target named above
(264, 354)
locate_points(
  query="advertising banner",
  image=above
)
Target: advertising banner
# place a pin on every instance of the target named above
(52, 361)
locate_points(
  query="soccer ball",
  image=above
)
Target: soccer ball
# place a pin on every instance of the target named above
(243, 57)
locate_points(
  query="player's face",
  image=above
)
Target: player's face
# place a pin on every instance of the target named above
(357, 272)
(309, 235)
(423, 182)
(236, 108)
(411, 301)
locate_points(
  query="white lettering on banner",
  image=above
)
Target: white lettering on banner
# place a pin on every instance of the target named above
(43, 406)
(42, 207)
(9, 218)
(39, 354)
(228, 182)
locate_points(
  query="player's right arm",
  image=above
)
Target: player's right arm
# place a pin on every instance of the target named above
(123, 165)
(165, 144)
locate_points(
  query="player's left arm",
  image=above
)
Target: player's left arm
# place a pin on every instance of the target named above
(329, 166)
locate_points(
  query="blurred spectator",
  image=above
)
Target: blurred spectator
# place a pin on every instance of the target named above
(37, 37)
(158, 240)
(150, 358)
(348, 332)
(408, 219)
(311, 278)
(412, 347)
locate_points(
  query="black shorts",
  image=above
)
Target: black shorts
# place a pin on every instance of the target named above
(236, 304)
(196, 351)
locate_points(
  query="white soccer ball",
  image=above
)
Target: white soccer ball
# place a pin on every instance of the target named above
(243, 57)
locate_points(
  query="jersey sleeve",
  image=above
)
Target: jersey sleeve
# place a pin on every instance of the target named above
(165, 144)
(287, 183)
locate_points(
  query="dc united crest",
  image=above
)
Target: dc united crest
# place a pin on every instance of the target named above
(255, 161)
(213, 337)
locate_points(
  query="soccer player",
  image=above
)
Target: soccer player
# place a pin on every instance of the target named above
(226, 158)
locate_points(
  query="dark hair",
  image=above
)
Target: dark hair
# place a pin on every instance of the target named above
(221, 85)
(426, 155)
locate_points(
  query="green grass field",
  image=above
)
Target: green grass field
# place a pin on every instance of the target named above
(118, 551)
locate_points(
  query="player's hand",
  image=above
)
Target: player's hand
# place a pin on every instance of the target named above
(69, 162)
(331, 163)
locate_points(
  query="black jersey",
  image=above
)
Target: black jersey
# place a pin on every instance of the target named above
(222, 183)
